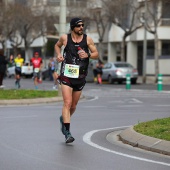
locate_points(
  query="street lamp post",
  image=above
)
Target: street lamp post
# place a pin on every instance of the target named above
(62, 19)
(62, 30)
(144, 46)
(5, 47)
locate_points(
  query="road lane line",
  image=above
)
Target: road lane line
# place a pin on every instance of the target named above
(16, 117)
(87, 139)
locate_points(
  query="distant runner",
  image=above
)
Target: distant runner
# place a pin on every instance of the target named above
(19, 61)
(37, 63)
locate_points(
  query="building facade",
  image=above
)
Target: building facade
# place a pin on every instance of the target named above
(113, 37)
(135, 45)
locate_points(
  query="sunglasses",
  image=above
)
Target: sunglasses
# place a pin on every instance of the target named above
(79, 25)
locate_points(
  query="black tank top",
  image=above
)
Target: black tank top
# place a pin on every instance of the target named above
(71, 56)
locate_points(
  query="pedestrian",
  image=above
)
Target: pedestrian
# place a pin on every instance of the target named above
(99, 71)
(53, 67)
(37, 63)
(3, 63)
(50, 69)
(11, 61)
(74, 67)
(19, 61)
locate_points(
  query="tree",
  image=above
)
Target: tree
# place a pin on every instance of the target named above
(22, 26)
(91, 12)
(124, 14)
(101, 23)
(30, 27)
(152, 19)
(12, 27)
(5, 29)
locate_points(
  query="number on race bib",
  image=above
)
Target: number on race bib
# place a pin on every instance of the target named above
(18, 64)
(71, 71)
(36, 70)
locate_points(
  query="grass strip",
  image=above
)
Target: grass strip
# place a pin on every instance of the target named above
(26, 94)
(158, 128)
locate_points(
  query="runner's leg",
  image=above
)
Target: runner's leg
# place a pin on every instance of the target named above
(75, 98)
(67, 98)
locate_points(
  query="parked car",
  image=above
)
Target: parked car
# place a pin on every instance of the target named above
(117, 71)
(27, 71)
(10, 71)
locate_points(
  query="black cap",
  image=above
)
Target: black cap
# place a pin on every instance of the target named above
(74, 22)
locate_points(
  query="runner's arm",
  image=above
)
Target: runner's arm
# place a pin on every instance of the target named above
(58, 46)
(94, 53)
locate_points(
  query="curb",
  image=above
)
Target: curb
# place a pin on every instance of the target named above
(130, 136)
(33, 101)
(30, 101)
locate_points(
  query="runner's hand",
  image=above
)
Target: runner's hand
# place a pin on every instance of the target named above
(83, 54)
(60, 58)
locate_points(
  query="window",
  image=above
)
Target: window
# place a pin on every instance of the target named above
(166, 11)
(165, 48)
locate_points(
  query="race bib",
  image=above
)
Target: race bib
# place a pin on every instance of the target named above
(18, 64)
(71, 71)
(36, 70)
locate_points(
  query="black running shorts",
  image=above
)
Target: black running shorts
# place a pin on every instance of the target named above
(18, 71)
(37, 75)
(76, 84)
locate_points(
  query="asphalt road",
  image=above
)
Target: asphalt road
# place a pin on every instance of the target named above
(30, 137)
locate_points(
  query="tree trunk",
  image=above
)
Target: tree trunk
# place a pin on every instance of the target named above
(27, 54)
(100, 50)
(156, 52)
(15, 50)
(123, 45)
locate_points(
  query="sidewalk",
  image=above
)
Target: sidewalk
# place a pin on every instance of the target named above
(151, 80)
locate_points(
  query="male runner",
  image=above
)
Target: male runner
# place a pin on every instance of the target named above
(19, 61)
(74, 69)
(37, 63)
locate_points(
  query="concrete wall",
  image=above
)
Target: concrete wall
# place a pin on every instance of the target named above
(132, 53)
(163, 65)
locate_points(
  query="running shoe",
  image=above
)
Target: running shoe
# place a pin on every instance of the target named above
(68, 136)
(62, 127)
(2, 86)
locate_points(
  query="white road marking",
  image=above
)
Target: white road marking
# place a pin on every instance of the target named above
(162, 105)
(136, 101)
(129, 100)
(87, 139)
(95, 98)
(16, 117)
(93, 106)
(130, 106)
